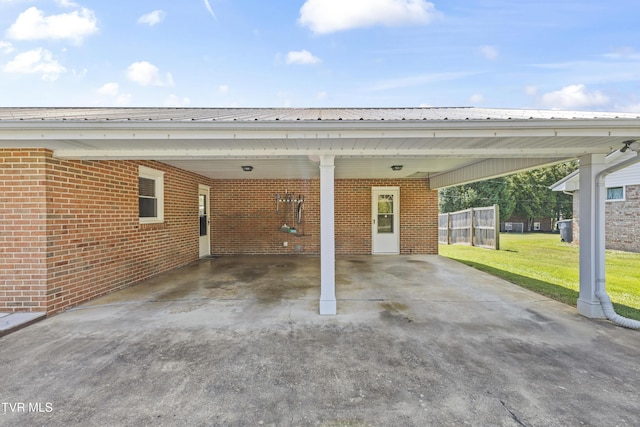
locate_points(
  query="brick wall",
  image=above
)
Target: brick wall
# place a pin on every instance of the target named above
(244, 218)
(23, 233)
(546, 224)
(70, 230)
(623, 221)
(418, 215)
(622, 228)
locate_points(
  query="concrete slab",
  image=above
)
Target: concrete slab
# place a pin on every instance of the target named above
(11, 322)
(418, 340)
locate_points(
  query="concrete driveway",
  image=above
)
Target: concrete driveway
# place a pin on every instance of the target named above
(418, 340)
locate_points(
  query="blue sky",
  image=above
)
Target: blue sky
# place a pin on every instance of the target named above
(551, 54)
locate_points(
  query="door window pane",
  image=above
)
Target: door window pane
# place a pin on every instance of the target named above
(202, 204)
(385, 213)
(202, 211)
(385, 223)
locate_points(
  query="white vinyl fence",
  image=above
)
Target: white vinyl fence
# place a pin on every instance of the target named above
(474, 227)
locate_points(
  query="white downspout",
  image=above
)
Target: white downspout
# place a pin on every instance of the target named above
(601, 293)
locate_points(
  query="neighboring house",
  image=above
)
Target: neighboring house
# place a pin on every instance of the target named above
(96, 199)
(515, 223)
(622, 207)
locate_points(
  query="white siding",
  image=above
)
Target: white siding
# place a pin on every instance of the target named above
(627, 176)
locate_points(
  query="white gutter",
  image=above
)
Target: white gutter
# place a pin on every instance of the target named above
(601, 293)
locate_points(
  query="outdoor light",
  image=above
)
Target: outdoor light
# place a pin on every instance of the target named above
(396, 167)
(630, 144)
(247, 168)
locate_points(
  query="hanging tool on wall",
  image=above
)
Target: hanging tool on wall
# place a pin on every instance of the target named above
(296, 205)
(299, 208)
(286, 200)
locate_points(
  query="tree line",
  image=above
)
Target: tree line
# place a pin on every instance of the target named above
(524, 194)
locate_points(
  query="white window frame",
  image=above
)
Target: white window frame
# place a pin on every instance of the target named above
(623, 194)
(158, 177)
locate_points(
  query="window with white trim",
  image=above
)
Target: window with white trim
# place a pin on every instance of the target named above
(615, 194)
(150, 195)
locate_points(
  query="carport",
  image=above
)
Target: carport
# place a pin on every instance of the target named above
(418, 340)
(447, 146)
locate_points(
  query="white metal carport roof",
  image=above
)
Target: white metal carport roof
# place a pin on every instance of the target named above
(448, 145)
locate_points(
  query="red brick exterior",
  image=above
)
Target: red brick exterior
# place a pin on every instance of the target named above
(244, 218)
(23, 230)
(69, 229)
(418, 215)
(546, 224)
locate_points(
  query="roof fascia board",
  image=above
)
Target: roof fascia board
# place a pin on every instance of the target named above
(432, 125)
(487, 169)
(185, 154)
(236, 133)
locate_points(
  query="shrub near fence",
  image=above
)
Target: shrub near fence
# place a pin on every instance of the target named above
(474, 227)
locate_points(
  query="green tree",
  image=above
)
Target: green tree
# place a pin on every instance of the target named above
(525, 194)
(495, 191)
(534, 199)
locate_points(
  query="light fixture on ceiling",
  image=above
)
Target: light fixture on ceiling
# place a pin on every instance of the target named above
(247, 168)
(396, 167)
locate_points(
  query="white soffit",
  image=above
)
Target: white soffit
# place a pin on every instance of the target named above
(449, 145)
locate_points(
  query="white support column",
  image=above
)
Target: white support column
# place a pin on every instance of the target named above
(590, 234)
(327, 237)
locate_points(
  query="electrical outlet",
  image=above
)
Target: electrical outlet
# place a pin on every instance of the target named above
(285, 244)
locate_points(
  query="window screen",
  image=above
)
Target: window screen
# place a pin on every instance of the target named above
(147, 201)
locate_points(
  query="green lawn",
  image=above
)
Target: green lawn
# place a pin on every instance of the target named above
(544, 264)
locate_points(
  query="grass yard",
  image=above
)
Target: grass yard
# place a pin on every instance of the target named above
(544, 264)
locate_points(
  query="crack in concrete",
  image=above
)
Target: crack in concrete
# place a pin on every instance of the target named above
(513, 415)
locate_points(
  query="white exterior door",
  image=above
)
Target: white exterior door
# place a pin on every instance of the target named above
(203, 213)
(386, 220)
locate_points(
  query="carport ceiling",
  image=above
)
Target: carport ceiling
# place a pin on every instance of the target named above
(449, 145)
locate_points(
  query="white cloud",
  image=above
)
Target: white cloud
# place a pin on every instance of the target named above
(152, 18)
(419, 80)
(66, 3)
(476, 98)
(285, 98)
(112, 90)
(531, 90)
(6, 47)
(209, 9)
(328, 16)
(574, 96)
(624, 53)
(175, 101)
(633, 108)
(302, 57)
(36, 61)
(109, 89)
(123, 99)
(223, 89)
(32, 24)
(321, 95)
(489, 52)
(146, 74)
